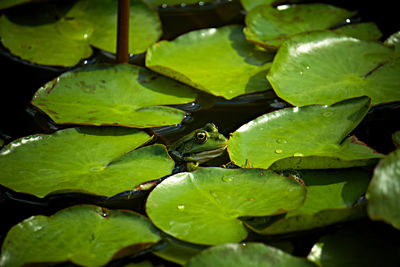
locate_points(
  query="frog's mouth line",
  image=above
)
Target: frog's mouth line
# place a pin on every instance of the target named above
(206, 155)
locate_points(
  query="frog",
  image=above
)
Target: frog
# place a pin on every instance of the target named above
(197, 147)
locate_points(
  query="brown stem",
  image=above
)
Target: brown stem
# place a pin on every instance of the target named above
(123, 32)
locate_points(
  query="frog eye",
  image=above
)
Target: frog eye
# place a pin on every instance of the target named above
(201, 137)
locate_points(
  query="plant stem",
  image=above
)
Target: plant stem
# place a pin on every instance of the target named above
(123, 32)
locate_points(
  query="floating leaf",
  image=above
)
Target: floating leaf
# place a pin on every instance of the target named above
(324, 67)
(270, 27)
(384, 191)
(204, 206)
(315, 130)
(85, 235)
(61, 33)
(250, 4)
(331, 196)
(358, 246)
(82, 159)
(364, 31)
(217, 61)
(246, 255)
(394, 41)
(122, 94)
(352, 153)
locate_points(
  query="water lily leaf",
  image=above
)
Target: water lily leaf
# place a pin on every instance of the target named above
(331, 196)
(62, 33)
(395, 137)
(352, 153)
(203, 207)
(246, 255)
(393, 41)
(122, 94)
(218, 61)
(384, 190)
(82, 159)
(270, 27)
(357, 246)
(364, 31)
(85, 235)
(250, 4)
(315, 130)
(324, 67)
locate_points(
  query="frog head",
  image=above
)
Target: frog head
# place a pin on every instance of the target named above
(199, 146)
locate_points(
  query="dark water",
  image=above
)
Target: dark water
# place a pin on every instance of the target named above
(20, 80)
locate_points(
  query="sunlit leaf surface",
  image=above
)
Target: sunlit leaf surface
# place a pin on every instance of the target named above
(100, 161)
(218, 61)
(61, 32)
(394, 41)
(123, 94)
(324, 67)
(270, 27)
(316, 130)
(204, 206)
(85, 235)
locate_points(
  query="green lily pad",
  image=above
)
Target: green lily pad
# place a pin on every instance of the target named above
(246, 255)
(82, 159)
(384, 191)
(250, 4)
(394, 41)
(316, 130)
(324, 67)
(352, 153)
(122, 94)
(395, 137)
(358, 246)
(218, 61)
(203, 207)
(331, 196)
(270, 27)
(62, 33)
(364, 31)
(85, 235)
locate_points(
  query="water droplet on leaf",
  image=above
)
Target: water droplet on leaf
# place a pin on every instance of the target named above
(226, 179)
(278, 151)
(181, 207)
